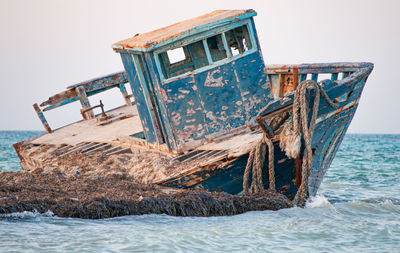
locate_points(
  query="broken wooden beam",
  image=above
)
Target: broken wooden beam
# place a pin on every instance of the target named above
(42, 118)
(84, 102)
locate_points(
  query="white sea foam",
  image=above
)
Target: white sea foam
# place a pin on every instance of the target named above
(318, 201)
(389, 205)
(27, 214)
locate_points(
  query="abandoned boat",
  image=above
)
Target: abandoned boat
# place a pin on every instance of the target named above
(203, 111)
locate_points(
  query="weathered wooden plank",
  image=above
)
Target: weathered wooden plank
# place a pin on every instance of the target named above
(96, 145)
(141, 70)
(162, 111)
(67, 101)
(143, 110)
(125, 95)
(281, 82)
(60, 97)
(345, 74)
(91, 87)
(120, 151)
(227, 49)
(102, 147)
(84, 102)
(275, 87)
(113, 79)
(185, 35)
(76, 148)
(317, 68)
(302, 77)
(208, 54)
(314, 77)
(42, 118)
(68, 148)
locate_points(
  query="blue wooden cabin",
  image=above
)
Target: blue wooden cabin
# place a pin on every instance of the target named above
(216, 87)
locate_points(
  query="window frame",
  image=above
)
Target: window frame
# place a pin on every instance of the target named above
(172, 67)
(203, 37)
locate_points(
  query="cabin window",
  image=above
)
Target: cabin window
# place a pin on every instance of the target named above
(176, 55)
(216, 47)
(238, 40)
(180, 60)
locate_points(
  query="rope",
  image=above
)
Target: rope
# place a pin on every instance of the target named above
(301, 104)
(255, 163)
(290, 142)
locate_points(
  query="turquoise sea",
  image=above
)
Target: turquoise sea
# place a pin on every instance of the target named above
(357, 210)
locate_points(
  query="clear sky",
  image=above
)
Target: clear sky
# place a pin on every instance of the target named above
(48, 45)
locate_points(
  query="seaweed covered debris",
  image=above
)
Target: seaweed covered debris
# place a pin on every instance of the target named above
(118, 195)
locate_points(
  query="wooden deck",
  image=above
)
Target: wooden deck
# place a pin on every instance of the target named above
(124, 121)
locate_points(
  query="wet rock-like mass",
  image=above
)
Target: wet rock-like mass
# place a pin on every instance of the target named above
(117, 195)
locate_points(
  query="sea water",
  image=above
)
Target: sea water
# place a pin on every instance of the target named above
(357, 210)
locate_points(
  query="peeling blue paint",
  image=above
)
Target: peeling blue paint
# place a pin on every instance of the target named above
(194, 107)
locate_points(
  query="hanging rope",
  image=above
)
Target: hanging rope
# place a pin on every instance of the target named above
(255, 162)
(290, 141)
(291, 132)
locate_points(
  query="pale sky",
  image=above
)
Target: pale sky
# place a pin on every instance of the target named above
(46, 46)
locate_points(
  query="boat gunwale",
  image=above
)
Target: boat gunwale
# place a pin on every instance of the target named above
(359, 71)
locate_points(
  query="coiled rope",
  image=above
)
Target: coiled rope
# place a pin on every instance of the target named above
(290, 141)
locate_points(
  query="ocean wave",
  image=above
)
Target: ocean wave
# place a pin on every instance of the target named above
(372, 207)
(382, 200)
(317, 201)
(27, 214)
(391, 206)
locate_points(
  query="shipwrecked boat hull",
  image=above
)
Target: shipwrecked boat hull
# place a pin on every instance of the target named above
(219, 165)
(203, 120)
(331, 126)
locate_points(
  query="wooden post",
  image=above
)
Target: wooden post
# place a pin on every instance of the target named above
(208, 54)
(124, 93)
(42, 118)
(302, 77)
(314, 77)
(295, 71)
(334, 76)
(281, 85)
(84, 102)
(345, 74)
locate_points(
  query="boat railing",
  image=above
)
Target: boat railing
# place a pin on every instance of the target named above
(81, 92)
(285, 78)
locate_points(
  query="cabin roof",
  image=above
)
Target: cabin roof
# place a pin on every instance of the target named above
(146, 41)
